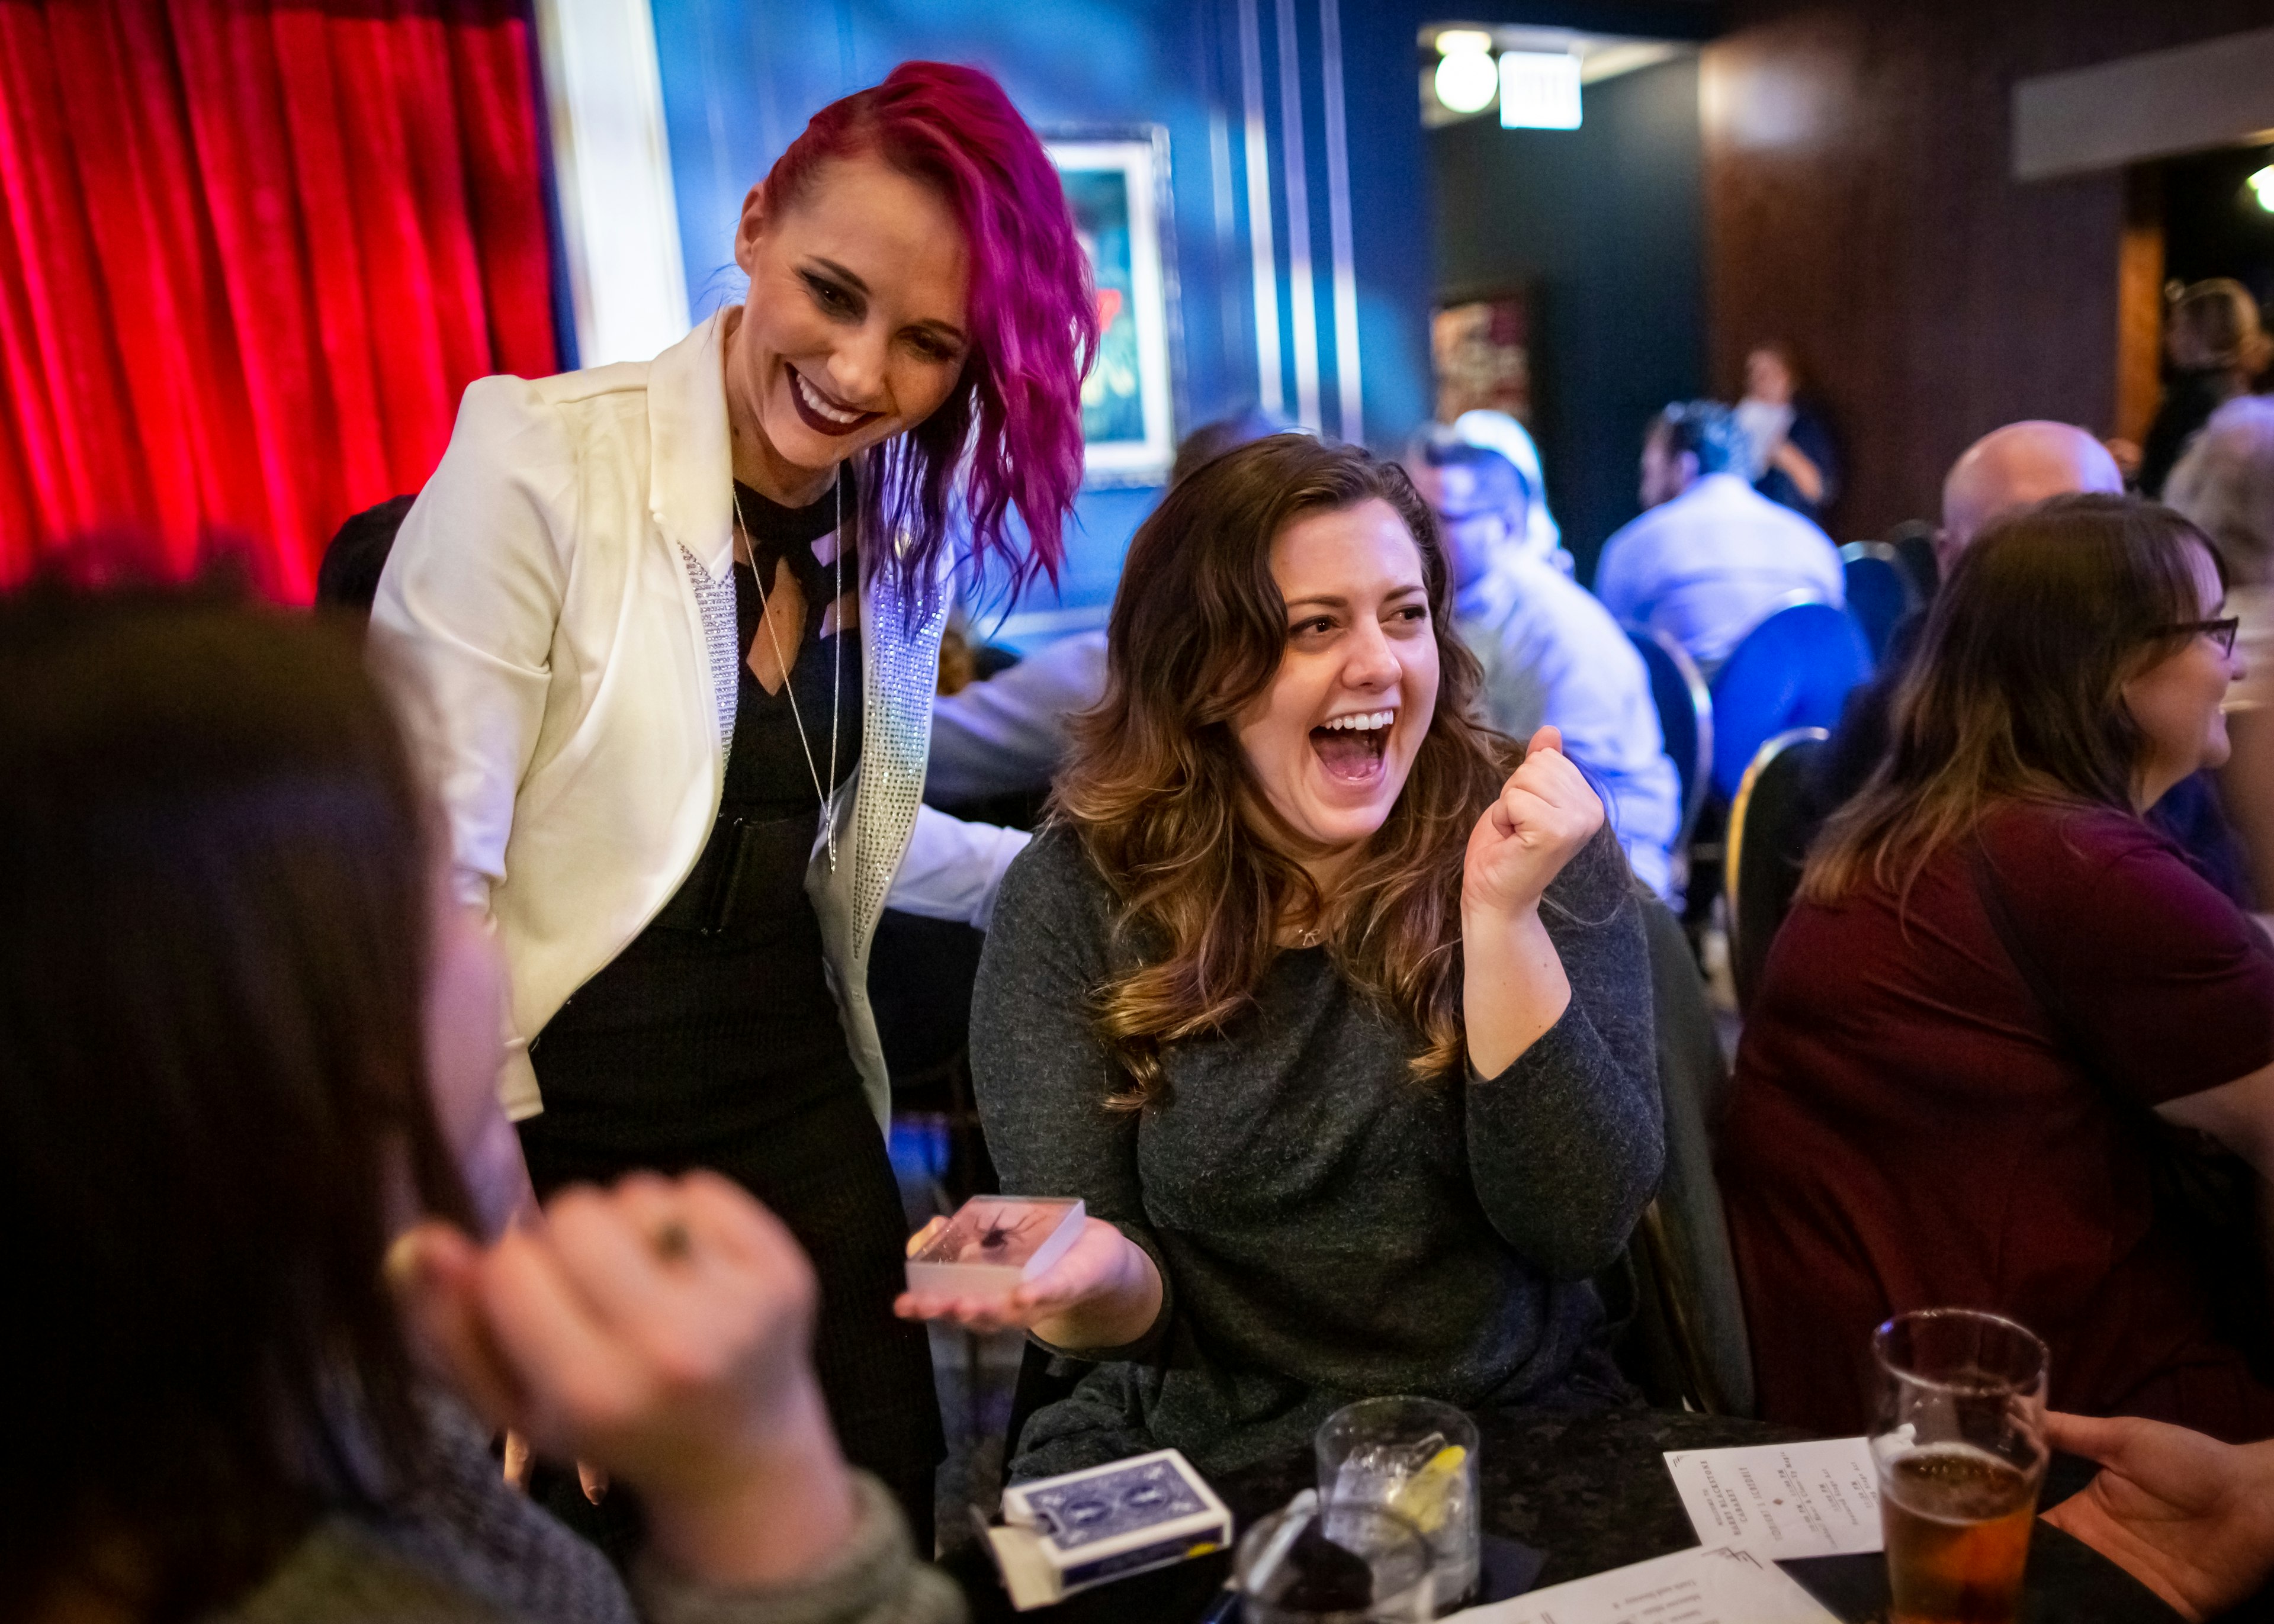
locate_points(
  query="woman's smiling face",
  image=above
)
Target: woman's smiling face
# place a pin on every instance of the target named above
(857, 327)
(1332, 740)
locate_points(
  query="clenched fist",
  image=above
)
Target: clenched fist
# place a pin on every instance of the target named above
(1546, 811)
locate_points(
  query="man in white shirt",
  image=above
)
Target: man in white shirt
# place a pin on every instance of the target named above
(1551, 653)
(1710, 558)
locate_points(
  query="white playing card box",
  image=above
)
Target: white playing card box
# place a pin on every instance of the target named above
(1068, 1533)
(994, 1241)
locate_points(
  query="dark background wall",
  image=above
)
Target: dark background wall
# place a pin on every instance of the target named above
(1859, 203)
(1604, 226)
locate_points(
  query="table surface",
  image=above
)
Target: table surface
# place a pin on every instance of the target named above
(1591, 1492)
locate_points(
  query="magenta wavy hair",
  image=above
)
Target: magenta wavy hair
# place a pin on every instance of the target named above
(1016, 409)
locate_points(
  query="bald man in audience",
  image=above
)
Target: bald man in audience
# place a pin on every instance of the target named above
(2007, 470)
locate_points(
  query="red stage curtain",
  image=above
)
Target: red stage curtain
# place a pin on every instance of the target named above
(251, 252)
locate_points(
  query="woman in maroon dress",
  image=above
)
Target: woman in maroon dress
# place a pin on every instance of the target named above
(1995, 970)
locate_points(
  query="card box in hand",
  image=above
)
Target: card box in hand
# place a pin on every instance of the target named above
(994, 1241)
(1067, 1533)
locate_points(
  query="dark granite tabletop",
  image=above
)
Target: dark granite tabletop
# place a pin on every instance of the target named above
(1592, 1493)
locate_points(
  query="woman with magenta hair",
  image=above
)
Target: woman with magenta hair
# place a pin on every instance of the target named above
(675, 628)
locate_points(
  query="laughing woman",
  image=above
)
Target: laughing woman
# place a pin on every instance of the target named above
(1340, 1026)
(678, 626)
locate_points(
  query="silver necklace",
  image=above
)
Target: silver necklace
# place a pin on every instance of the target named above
(837, 663)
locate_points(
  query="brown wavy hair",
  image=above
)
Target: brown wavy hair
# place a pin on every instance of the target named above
(1167, 807)
(2016, 692)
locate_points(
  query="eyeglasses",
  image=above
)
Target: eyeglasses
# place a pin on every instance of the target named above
(2220, 632)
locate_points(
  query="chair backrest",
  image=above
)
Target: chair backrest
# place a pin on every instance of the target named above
(1792, 670)
(1913, 541)
(1881, 591)
(1771, 822)
(1685, 716)
(1691, 1307)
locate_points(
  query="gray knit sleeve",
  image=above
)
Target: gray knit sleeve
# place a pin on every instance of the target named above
(1566, 1145)
(876, 1579)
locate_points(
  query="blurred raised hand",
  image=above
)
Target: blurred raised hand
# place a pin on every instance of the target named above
(659, 1332)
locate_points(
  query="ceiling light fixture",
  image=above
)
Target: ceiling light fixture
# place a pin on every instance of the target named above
(2262, 186)
(1538, 90)
(1466, 79)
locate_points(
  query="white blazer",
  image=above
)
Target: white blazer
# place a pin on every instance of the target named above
(558, 615)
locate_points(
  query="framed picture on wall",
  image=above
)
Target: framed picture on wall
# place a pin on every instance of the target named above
(1117, 183)
(1481, 351)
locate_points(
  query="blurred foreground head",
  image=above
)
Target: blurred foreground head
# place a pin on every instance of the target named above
(213, 1088)
(2010, 467)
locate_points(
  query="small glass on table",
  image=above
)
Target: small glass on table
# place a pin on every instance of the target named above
(1960, 1442)
(1372, 1568)
(1417, 1458)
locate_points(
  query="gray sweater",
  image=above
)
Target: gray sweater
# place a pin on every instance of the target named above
(469, 1550)
(1327, 1228)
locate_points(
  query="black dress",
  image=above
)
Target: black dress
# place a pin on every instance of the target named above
(712, 1040)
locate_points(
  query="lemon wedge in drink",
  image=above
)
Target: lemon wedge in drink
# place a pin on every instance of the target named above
(1424, 1498)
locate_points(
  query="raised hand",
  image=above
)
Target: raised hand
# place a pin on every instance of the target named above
(1103, 1293)
(659, 1331)
(2189, 1517)
(1546, 811)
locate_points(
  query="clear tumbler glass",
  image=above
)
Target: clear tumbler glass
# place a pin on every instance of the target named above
(1372, 1568)
(1418, 1458)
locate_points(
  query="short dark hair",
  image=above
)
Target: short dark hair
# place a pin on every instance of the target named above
(1443, 447)
(1706, 430)
(348, 578)
(1212, 440)
(214, 868)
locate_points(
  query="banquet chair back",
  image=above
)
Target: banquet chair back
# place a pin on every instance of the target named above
(1686, 1345)
(1771, 821)
(1880, 591)
(1913, 541)
(1685, 717)
(1794, 669)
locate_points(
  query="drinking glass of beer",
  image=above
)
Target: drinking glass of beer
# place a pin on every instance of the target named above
(1960, 1442)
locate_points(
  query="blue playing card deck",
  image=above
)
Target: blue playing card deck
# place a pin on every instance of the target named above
(1068, 1533)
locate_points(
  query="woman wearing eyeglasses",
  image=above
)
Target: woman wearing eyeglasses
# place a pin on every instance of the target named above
(2001, 991)
(679, 622)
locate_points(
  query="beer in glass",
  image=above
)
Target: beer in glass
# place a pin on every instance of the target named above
(1959, 1441)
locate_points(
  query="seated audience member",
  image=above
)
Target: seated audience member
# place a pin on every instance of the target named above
(1341, 1029)
(1496, 431)
(1006, 735)
(2217, 347)
(1552, 656)
(1789, 449)
(2226, 484)
(1710, 557)
(2189, 1517)
(1995, 971)
(2008, 470)
(249, 1039)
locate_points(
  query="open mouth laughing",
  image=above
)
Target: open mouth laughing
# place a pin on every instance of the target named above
(1351, 748)
(821, 413)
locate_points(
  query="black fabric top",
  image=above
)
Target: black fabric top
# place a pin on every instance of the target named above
(1327, 1228)
(718, 1017)
(2188, 400)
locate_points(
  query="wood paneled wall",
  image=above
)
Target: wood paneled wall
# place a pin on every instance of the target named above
(1859, 205)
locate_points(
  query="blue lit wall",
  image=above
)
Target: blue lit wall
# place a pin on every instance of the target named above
(741, 79)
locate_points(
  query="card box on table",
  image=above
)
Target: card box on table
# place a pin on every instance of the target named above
(1066, 1534)
(994, 1242)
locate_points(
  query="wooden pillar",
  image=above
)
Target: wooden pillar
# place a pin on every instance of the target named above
(2140, 301)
